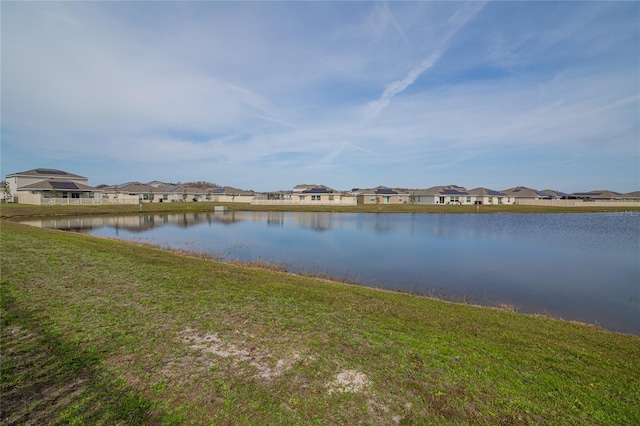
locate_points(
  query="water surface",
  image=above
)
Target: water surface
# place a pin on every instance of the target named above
(583, 267)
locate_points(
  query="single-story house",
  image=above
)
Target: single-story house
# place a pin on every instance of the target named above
(382, 195)
(559, 195)
(229, 194)
(449, 194)
(598, 195)
(631, 196)
(160, 194)
(522, 192)
(489, 196)
(48, 183)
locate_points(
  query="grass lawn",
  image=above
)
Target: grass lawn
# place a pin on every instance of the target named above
(97, 331)
(12, 210)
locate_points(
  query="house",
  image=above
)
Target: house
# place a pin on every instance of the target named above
(315, 194)
(631, 196)
(32, 186)
(558, 195)
(449, 194)
(160, 193)
(229, 194)
(381, 195)
(598, 195)
(520, 193)
(489, 196)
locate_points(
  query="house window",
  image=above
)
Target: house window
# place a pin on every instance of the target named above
(400, 198)
(165, 196)
(491, 200)
(75, 195)
(301, 197)
(372, 198)
(316, 197)
(330, 197)
(455, 199)
(468, 199)
(499, 200)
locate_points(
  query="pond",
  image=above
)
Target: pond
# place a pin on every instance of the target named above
(583, 267)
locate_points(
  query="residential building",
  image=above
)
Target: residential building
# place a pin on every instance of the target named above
(489, 196)
(524, 193)
(449, 194)
(382, 195)
(32, 186)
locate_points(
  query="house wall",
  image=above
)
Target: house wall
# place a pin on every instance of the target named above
(576, 203)
(380, 199)
(17, 182)
(223, 198)
(295, 201)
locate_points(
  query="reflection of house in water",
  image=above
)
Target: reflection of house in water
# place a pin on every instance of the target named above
(136, 223)
(275, 219)
(314, 221)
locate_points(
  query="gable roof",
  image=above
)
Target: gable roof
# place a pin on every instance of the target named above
(56, 184)
(47, 173)
(486, 192)
(524, 192)
(603, 194)
(442, 190)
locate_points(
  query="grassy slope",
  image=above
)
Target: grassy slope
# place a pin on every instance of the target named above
(97, 331)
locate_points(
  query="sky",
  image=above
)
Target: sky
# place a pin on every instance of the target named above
(269, 95)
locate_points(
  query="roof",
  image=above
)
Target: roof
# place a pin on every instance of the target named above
(381, 190)
(486, 192)
(603, 194)
(442, 190)
(634, 194)
(229, 190)
(59, 185)
(47, 173)
(555, 193)
(524, 192)
(319, 189)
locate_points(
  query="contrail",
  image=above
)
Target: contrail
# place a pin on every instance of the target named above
(457, 21)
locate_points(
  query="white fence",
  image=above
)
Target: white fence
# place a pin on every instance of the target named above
(37, 199)
(350, 201)
(578, 203)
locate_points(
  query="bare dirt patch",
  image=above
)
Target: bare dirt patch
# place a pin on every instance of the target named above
(349, 381)
(266, 365)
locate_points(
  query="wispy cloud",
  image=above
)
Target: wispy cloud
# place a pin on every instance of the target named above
(455, 23)
(267, 95)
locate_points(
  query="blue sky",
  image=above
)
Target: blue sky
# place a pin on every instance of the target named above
(267, 95)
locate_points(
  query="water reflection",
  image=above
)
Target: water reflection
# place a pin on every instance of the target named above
(579, 266)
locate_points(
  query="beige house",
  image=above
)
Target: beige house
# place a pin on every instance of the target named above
(449, 194)
(156, 193)
(523, 193)
(32, 186)
(382, 195)
(489, 196)
(228, 194)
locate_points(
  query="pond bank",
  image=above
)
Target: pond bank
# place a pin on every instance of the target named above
(185, 339)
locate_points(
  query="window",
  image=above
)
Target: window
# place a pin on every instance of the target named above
(301, 197)
(468, 199)
(165, 196)
(499, 200)
(330, 197)
(455, 199)
(316, 197)
(372, 198)
(400, 198)
(491, 200)
(75, 195)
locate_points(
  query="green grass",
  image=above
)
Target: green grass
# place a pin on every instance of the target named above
(11, 210)
(104, 332)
